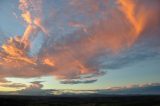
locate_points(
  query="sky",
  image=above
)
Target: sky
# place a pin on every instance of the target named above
(52, 47)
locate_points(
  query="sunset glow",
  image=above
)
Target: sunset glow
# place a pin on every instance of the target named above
(78, 46)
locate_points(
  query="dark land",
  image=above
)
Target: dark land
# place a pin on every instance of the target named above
(98, 100)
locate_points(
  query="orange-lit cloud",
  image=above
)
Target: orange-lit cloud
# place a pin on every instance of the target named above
(38, 23)
(49, 62)
(14, 50)
(138, 15)
(32, 17)
(128, 7)
(27, 17)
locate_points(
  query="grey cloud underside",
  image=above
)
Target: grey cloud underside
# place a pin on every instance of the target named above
(146, 47)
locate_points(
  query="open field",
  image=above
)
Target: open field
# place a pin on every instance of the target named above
(80, 100)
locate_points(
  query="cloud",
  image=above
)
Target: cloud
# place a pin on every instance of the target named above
(152, 88)
(83, 37)
(34, 89)
(13, 85)
(81, 53)
(138, 89)
(35, 85)
(78, 81)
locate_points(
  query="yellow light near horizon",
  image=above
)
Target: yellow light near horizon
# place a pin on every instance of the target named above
(6, 89)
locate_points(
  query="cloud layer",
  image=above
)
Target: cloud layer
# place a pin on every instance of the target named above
(81, 38)
(36, 89)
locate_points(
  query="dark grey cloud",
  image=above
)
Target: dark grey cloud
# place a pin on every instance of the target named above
(78, 81)
(153, 88)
